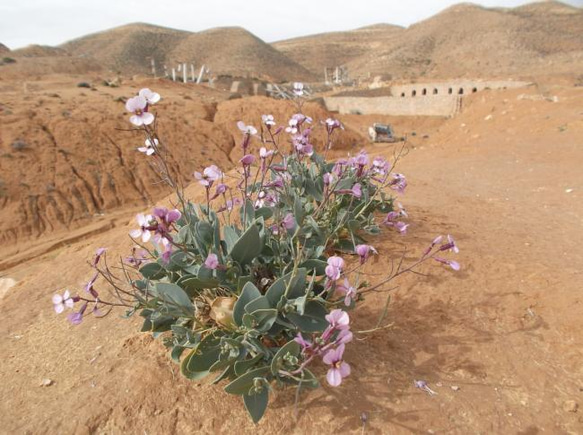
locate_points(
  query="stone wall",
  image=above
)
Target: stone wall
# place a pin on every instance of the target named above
(456, 87)
(445, 105)
(418, 99)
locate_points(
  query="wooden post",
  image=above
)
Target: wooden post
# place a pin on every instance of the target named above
(165, 71)
(153, 63)
(184, 73)
(199, 79)
(192, 73)
(173, 75)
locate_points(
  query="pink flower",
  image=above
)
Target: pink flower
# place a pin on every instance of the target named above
(145, 222)
(364, 251)
(76, 318)
(451, 263)
(450, 246)
(344, 336)
(328, 178)
(148, 147)
(339, 369)
(356, 190)
(264, 153)
(211, 262)
(333, 124)
(390, 221)
(168, 217)
(338, 319)
(219, 190)
(98, 254)
(139, 107)
(348, 291)
(334, 268)
(380, 166)
(167, 253)
(289, 221)
(230, 204)
(60, 302)
(151, 97)
(398, 183)
(247, 159)
(246, 129)
(210, 174)
(302, 342)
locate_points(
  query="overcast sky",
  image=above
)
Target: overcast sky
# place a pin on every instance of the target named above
(52, 22)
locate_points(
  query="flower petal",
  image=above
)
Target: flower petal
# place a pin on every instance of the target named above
(334, 377)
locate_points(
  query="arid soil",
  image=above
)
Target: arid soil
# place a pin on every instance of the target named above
(67, 155)
(498, 341)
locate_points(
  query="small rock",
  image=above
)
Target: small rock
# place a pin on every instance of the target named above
(455, 388)
(570, 406)
(568, 190)
(487, 118)
(46, 383)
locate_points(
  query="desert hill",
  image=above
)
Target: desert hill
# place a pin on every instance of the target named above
(4, 49)
(467, 40)
(317, 52)
(233, 51)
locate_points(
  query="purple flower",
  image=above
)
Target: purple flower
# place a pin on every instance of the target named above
(144, 221)
(328, 178)
(451, 263)
(334, 268)
(296, 122)
(247, 159)
(219, 190)
(361, 159)
(167, 249)
(356, 190)
(209, 175)
(139, 107)
(289, 221)
(364, 251)
(402, 227)
(168, 217)
(450, 246)
(348, 291)
(339, 369)
(302, 342)
(344, 336)
(333, 124)
(390, 221)
(268, 120)
(338, 319)
(398, 183)
(76, 318)
(230, 204)
(422, 385)
(151, 97)
(60, 302)
(98, 254)
(380, 166)
(246, 129)
(211, 262)
(148, 147)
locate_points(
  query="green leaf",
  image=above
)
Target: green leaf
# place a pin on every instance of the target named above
(248, 293)
(173, 294)
(248, 247)
(261, 320)
(198, 363)
(318, 265)
(298, 210)
(153, 271)
(247, 212)
(277, 363)
(243, 366)
(191, 284)
(313, 319)
(243, 383)
(231, 237)
(256, 304)
(277, 289)
(264, 212)
(256, 404)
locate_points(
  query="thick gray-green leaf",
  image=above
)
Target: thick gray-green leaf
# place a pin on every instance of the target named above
(248, 246)
(313, 319)
(277, 363)
(173, 294)
(153, 271)
(243, 383)
(248, 293)
(256, 404)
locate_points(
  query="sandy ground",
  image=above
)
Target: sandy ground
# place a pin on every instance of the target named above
(504, 177)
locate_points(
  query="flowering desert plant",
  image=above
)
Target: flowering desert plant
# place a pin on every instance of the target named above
(250, 285)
